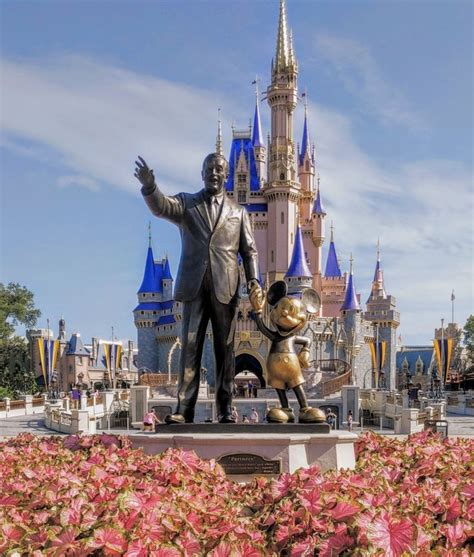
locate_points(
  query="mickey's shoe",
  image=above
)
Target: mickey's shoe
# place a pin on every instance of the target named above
(277, 416)
(310, 415)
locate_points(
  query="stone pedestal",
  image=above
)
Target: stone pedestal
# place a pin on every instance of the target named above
(258, 454)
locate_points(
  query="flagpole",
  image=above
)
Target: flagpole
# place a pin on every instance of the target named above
(453, 297)
(49, 358)
(112, 360)
(443, 379)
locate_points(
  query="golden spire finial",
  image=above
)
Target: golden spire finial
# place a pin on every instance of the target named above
(332, 232)
(378, 248)
(281, 58)
(351, 260)
(219, 150)
(149, 234)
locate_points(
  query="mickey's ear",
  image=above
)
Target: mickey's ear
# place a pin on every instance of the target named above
(276, 292)
(311, 300)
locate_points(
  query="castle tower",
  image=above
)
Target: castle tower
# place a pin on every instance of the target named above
(352, 320)
(62, 329)
(381, 311)
(258, 142)
(333, 283)
(150, 295)
(298, 276)
(282, 191)
(306, 172)
(167, 280)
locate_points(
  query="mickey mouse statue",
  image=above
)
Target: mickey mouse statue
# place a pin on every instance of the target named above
(288, 316)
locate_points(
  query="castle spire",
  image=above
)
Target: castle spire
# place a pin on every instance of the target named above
(257, 136)
(298, 268)
(305, 142)
(378, 287)
(318, 208)
(282, 48)
(149, 279)
(332, 264)
(219, 149)
(350, 301)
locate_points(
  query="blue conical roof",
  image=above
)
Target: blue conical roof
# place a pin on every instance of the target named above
(149, 281)
(166, 271)
(350, 301)
(305, 142)
(332, 264)
(257, 136)
(318, 208)
(298, 266)
(158, 276)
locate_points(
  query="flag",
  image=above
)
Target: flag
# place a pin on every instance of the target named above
(453, 297)
(254, 82)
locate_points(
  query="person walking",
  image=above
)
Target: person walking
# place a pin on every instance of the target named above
(349, 420)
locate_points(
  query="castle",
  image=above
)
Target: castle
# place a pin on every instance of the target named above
(276, 182)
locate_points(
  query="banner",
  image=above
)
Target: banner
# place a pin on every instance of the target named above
(444, 353)
(42, 359)
(378, 352)
(55, 354)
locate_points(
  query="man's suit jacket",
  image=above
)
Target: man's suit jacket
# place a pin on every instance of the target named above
(204, 245)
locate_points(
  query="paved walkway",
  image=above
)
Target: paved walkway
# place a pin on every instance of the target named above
(9, 427)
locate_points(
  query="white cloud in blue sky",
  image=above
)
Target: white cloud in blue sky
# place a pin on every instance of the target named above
(77, 111)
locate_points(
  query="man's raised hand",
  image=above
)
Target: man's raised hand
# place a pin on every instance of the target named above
(144, 174)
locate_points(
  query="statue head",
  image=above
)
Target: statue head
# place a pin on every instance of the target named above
(215, 170)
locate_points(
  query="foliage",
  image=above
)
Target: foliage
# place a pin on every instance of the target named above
(16, 306)
(97, 496)
(469, 339)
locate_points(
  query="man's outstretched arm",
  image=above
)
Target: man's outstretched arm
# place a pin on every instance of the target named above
(160, 205)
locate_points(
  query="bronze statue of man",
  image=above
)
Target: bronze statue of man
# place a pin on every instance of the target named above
(214, 230)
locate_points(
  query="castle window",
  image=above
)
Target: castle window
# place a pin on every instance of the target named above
(291, 238)
(282, 217)
(242, 196)
(242, 178)
(282, 176)
(142, 313)
(306, 165)
(272, 256)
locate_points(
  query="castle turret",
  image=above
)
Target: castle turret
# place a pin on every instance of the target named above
(282, 190)
(352, 320)
(298, 275)
(306, 172)
(333, 283)
(167, 280)
(147, 311)
(381, 311)
(258, 141)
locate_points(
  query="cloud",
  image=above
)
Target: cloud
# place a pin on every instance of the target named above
(97, 118)
(77, 180)
(362, 77)
(92, 119)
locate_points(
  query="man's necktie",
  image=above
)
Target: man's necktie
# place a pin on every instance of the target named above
(213, 210)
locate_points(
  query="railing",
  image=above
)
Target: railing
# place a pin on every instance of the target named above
(99, 399)
(422, 417)
(38, 402)
(3, 405)
(90, 401)
(334, 385)
(157, 379)
(17, 404)
(335, 365)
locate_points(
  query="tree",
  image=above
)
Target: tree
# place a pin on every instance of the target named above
(469, 340)
(16, 307)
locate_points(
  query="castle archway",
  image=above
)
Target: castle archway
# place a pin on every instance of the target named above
(250, 365)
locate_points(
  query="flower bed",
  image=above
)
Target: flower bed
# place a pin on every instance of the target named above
(97, 496)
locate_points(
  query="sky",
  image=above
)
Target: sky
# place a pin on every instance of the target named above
(88, 85)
